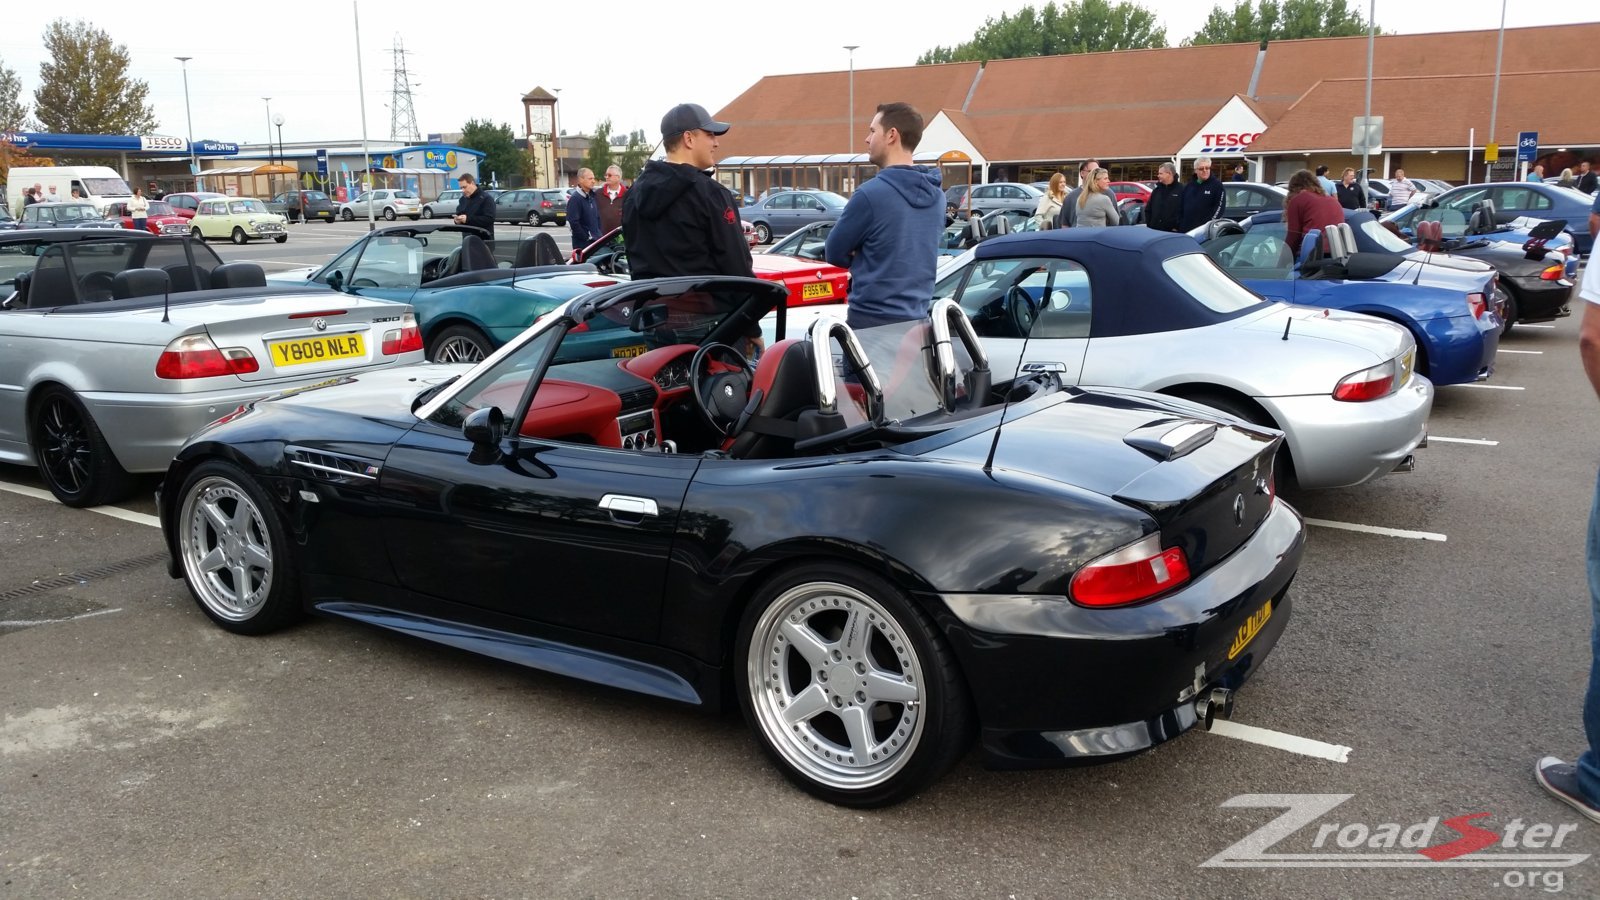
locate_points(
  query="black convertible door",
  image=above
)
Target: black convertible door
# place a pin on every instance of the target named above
(566, 534)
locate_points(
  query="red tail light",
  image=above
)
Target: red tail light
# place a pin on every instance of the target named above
(580, 327)
(406, 338)
(1367, 384)
(1139, 571)
(195, 356)
(1477, 304)
(544, 204)
(1553, 273)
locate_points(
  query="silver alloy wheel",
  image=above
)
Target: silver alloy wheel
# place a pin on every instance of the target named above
(836, 685)
(458, 349)
(226, 549)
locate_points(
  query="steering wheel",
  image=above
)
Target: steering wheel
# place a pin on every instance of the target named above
(721, 396)
(1019, 310)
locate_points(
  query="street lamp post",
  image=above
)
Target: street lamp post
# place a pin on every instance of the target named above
(278, 121)
(850, 123)
(1494, 105)
(268, 101)
(194, 161)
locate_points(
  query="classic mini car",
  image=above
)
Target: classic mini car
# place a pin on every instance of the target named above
(63, 215)
(785, 211)
(387, 203)
(467, 303)
(775, 533)
(1340, 386)
(239, 219)
(1447, 306)
(159, 218)
(118, 345)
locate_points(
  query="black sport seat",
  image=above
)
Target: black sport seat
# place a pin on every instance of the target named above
(476, 255)
(539, 250)
(784, 386)
(139, 283)
(238, 275)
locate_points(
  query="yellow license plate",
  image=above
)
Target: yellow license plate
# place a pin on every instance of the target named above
(627, 352)
(814, 291)
(317, 349)
(1251, 627)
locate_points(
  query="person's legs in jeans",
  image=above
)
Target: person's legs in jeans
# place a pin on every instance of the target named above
(1589, 762)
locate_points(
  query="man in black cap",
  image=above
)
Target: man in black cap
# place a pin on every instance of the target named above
(676, 219)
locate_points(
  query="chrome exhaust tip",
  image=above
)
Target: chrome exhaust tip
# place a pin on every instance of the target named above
(1217, 703)
(1409, 464)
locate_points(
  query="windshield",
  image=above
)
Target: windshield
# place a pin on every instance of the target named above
(246, 206)
(1210, 285)
(160, 208)
(107, 187)
(313, 195)
(1383, 237)
(830, 199)
(74, 212)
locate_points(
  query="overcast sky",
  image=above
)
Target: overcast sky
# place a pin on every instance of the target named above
(629, 60)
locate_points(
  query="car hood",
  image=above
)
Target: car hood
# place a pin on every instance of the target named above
(1451, 273)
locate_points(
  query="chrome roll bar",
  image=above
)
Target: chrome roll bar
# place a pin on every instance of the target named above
(944, 312)
(821, 332)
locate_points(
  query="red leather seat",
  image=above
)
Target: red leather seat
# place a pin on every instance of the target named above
(1430, 236)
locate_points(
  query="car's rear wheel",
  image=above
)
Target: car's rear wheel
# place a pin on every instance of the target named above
(237, 558)
(388, 214)
(238, 236)
(459, 344)
(71, 452)
(763, 233)
(534, 220)
(1509, 304)
(850, 688)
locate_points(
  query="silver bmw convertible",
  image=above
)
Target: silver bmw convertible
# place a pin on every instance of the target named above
(118, 345)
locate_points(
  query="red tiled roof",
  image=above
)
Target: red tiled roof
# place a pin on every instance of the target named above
(1435, 111)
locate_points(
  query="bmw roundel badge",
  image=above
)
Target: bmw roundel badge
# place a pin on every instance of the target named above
(319, 324)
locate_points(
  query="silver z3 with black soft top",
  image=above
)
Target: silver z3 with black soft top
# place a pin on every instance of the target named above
(873, 544)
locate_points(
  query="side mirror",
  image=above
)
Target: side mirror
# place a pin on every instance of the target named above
(336, 280)
(485, 428)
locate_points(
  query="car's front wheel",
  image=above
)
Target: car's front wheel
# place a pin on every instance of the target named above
(238, 236)
(347, 215)
(281, 238)
(459, 344)
(427, 212)
(197, 234)
(237, 558)
(71, 452)
(850, 687)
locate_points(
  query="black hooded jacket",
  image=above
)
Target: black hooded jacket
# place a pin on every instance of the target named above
(677, 220)
(1164, 210)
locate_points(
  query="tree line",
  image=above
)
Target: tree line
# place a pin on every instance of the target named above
(505, 156)
(1092, 26)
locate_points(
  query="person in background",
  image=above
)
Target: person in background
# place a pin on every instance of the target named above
(1044, 215)
(1239, 173)
(139, 209)
(1164, 210)
(1578, 785)
(888, 234)
(1096, 209)
(1350, 192)
(1069, 207)
(1536, 175)
(475, 207)
(1588, 180)
(583, 213)
(1400, 189)
(52, 197)
(1308, 209)
(1203, 199)
(1325, 181)
(1567, 179)
(609, 200)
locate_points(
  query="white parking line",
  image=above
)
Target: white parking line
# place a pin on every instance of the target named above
(1281, 741)
(1489, 387)
(126, 515)
(1378, 529)
(1478, 441)
(24, 623)
(1528, 352)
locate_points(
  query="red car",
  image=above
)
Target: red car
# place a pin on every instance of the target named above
(810, 280)
(184, 204)
(1130, 190)
(161, 218)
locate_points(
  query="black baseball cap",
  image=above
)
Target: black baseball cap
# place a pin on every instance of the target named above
(688, 117)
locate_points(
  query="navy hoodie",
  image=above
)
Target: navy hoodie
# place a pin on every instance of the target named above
(888, 237)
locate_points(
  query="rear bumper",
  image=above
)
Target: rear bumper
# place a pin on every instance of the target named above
(1337, 444)
(1539, 300)
(1461, 349)
(1056, 683)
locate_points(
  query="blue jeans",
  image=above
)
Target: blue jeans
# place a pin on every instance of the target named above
(1589, 762)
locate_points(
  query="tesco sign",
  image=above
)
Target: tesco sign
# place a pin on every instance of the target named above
(1231, 140)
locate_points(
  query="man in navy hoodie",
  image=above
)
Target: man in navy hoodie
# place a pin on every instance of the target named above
(888, 234)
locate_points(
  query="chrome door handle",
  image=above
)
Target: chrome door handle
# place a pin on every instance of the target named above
(623, 505)
(1057, 367)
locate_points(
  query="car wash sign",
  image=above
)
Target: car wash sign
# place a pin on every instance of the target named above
(1230, 132)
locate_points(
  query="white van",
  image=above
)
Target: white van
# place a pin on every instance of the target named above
(99, 185)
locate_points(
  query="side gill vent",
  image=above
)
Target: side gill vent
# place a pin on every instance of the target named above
(336, 468)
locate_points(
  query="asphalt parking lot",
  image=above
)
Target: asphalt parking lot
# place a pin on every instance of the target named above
(1439, 630)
